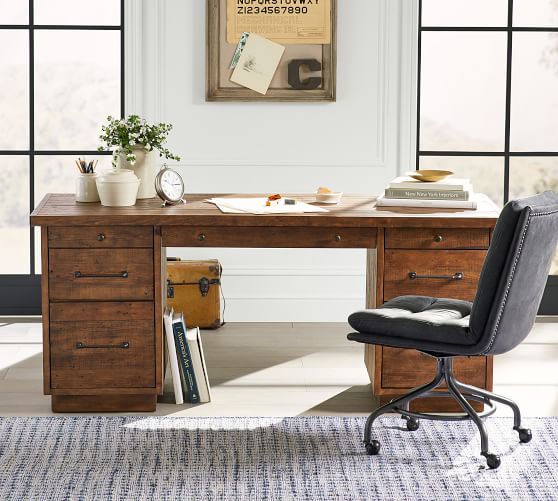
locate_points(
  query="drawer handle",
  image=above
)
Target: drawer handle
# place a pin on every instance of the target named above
(201, 237)
(101, 237)
(338, 238)
(122, 274)
(122, 346)
(438, 238)
(456, 276)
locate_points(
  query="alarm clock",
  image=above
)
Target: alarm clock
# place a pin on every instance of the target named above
(169, 186)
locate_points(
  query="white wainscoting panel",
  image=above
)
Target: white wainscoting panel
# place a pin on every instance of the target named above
(353, 145)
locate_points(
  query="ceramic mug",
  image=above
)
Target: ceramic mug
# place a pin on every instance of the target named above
(86, 188)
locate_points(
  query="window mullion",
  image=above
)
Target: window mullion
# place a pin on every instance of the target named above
(31, 131)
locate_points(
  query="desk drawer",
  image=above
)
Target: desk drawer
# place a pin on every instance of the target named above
(283, 237)
(437, 238)
(102, 345)
(432, 273)
(75, 237)
(100, 274)
(406, 369)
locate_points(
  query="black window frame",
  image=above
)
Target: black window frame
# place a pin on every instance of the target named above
(549, 305)
(21, 294)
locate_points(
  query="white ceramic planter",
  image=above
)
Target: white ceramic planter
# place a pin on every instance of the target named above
(145, 168)
(118, 188)
(86, 188)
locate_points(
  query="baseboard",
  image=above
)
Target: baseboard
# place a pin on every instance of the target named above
(20, 295)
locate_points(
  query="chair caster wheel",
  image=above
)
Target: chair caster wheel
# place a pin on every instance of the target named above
(413, 424)
(492, 460)
(372, 448)
(525, 435)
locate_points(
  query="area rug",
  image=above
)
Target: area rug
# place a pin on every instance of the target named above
(317, 458)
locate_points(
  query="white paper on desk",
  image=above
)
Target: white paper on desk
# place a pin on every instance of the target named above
(257, 206)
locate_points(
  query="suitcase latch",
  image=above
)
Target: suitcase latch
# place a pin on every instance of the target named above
(204, 286)
(205, 283)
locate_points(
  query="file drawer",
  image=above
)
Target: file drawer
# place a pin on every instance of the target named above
(437, 238)
(101, 274)
(439, 273)
(75, 237)
(102, 345)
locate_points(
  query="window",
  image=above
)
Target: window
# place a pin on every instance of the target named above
(488, 98)
(60, 78)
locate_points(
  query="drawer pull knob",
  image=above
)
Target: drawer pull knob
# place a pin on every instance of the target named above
(122, 274)
(201, 237)
(122, 346)
(101, 237)
(413, 275)
(438, 238)
(338, 238)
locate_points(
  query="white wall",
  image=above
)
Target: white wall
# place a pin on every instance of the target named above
(355, 145)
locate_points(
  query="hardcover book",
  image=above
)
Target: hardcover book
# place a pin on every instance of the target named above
(427, 194)
(172, 354)
(382, 201)
(450, 184)
(185, 358)
(193, 337)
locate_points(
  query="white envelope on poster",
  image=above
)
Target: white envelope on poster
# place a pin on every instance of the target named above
(258, 63)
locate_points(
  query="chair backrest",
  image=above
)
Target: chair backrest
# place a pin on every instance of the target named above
(515, 273)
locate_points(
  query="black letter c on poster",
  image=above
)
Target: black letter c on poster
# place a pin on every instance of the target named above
(294, 74)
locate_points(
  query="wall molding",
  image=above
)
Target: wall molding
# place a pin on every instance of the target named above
(258, 163)
(408, 55)
(133, 58)
(383, 122)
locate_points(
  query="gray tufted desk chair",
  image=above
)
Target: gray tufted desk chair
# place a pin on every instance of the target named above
(501, 316)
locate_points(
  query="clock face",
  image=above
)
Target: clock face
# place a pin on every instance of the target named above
(172, 186)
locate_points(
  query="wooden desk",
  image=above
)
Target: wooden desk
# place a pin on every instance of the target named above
(103, 283)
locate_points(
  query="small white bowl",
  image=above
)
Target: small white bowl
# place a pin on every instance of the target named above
(329, 198)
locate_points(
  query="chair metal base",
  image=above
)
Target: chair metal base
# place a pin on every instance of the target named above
(460, 392)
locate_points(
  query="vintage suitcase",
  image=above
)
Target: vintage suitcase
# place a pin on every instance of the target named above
(194, 288)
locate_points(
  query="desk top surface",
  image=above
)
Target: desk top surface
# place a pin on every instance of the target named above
(352, 211)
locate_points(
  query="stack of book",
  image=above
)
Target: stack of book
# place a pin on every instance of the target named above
(186, 360)
(450, 193)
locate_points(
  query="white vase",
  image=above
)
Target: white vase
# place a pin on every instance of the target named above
(86, 188)
(144, 168)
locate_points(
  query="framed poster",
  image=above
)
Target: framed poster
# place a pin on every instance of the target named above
(296, 45)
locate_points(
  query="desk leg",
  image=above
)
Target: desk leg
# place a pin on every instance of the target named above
(371, 277)
(374, 297)
(160, 270)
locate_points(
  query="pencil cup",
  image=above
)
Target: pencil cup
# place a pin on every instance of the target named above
(86, 188)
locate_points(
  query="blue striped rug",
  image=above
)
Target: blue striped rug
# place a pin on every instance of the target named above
(318, 458)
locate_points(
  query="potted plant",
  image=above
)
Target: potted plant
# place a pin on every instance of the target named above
(134, 142)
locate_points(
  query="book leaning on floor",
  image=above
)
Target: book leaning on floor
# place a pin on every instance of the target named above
(184, 356)
(172, 356)
(193, 337)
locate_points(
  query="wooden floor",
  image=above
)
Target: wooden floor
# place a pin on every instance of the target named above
(284, 369)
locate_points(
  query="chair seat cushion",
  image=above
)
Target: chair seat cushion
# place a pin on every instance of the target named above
(418, 322)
